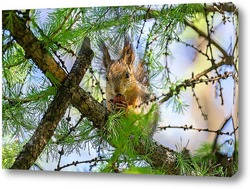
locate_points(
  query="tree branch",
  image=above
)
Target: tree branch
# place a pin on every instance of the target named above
(203, 34)
(55, 112)
(221, 7)
(160, 157)
(32, 46)
(36, 50)
(196, 79)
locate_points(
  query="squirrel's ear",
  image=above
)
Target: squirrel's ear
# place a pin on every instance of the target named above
(128, 53)
(106, 56)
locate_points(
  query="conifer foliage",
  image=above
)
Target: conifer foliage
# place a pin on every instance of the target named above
(53, 88)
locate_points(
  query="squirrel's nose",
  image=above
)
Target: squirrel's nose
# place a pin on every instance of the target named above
(117, 90)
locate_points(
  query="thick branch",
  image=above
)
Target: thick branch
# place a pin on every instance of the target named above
(33, 47)
(160, 156)
(36, 50)
(55, 112)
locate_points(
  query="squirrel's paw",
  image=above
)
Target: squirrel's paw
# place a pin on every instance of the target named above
(118, 103)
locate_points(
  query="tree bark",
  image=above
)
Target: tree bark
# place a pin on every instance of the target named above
(56, 110)
(160, 156)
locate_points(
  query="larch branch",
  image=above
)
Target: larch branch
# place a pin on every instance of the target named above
(55, 112)
(160, 157)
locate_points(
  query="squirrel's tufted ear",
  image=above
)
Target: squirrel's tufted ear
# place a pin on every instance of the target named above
(128, 55)
(106, 57)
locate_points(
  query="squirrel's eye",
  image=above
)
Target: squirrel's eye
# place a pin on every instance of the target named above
(127, 75)
(107, 78)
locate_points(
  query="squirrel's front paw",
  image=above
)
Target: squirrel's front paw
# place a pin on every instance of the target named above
(119, 103)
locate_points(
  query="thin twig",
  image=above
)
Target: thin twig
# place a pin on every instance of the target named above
(62, 24)
(71, 129)
(201, 33)
(75, 163)
(186, 127)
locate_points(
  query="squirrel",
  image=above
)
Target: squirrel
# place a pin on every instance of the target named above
(127, 87)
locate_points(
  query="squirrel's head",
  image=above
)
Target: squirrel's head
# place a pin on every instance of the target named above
(120, 73)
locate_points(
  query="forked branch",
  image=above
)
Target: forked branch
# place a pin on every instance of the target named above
(160, 157)
(55, 112)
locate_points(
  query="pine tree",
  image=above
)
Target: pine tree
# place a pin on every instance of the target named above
(53, 86)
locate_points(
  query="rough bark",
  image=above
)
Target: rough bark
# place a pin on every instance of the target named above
(160, 156)
(34, 49)
(56, 110)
